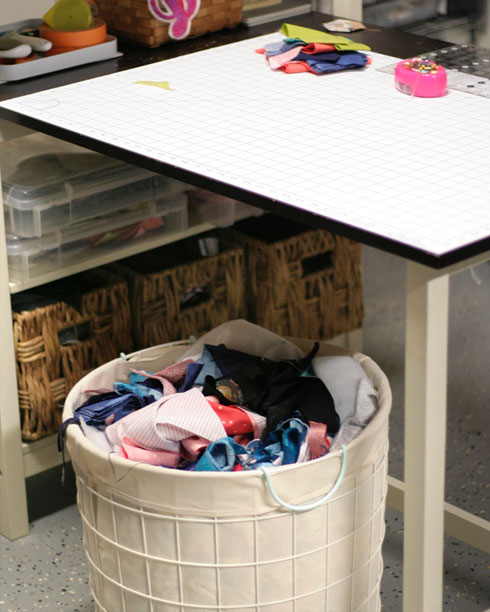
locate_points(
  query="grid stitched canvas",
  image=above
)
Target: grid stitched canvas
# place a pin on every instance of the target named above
(347, 146)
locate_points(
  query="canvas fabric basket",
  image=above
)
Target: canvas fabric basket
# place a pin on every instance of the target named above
(158, 315)
(47, 367)
(308, 284)
(165, 540)
(132, 19)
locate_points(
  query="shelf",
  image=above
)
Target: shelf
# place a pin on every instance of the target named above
(41, 455)
(282, 10)
(100, 260)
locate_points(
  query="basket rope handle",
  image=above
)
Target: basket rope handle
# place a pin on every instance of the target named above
(318, 502)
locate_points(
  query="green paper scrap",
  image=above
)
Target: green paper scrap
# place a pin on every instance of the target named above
(308, 35)
(161, 84)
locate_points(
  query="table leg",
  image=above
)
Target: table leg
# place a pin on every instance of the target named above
(427, 302)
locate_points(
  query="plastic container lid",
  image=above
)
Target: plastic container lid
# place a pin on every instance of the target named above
(17, 245)
(38, 169)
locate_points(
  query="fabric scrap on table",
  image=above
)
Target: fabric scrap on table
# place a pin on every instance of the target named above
(309, 35)
(308, 50)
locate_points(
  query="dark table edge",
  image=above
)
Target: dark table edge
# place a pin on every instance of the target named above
(274, 206)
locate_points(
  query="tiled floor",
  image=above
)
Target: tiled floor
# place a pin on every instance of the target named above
(47, 569)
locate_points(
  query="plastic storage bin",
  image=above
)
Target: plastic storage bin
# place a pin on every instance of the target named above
(166, 540)
(29, 258)
(48, 184)
(217, 209)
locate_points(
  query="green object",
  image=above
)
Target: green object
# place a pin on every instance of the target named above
(308, 35)
(161, 84)
(69, 15)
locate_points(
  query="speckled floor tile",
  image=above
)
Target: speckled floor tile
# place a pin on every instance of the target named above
(47, 569)
(466, 572)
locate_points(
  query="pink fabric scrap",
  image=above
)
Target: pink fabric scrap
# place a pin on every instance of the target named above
(276, 61)
(313, 48)
(163, 424)
(317, 440)
(193, 447)
(131, 450)
(169, 376)
(296, 66)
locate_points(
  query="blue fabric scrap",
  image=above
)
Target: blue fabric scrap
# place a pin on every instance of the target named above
(220, 456)
(276, 48)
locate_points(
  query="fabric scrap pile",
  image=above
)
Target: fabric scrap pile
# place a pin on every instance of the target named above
(225, 409)
(308, 50)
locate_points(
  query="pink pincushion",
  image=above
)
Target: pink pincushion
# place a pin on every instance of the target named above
(421, 77)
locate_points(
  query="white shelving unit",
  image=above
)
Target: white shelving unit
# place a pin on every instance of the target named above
(101, 260)
(19, 460)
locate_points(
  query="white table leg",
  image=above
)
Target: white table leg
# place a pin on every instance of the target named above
(425, 437)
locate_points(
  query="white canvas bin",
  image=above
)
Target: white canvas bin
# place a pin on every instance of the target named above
(164, 540)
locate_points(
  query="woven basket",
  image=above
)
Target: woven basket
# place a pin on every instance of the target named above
(158, 279)
(132, 19)
(301, 282)
(49, 358)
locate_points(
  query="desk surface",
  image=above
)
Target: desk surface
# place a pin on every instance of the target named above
(345, 152)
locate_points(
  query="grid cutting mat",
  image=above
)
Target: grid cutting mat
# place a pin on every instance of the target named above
(346, 146)
(467, 66)
(468, 59)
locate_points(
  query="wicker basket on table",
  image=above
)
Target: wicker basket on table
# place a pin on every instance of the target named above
(133, 20)
(176, 292)
(57, 344)
(301, 282)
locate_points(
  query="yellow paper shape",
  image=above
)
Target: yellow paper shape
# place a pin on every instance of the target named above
(69, 15)
(161, 84)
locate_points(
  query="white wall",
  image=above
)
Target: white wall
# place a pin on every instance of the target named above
(17, 10)
(351, 9)
(484, 37)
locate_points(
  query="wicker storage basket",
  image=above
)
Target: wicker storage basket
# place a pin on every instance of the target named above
(132, 19)
(158, 280)
(301, 282)
(58, 344)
